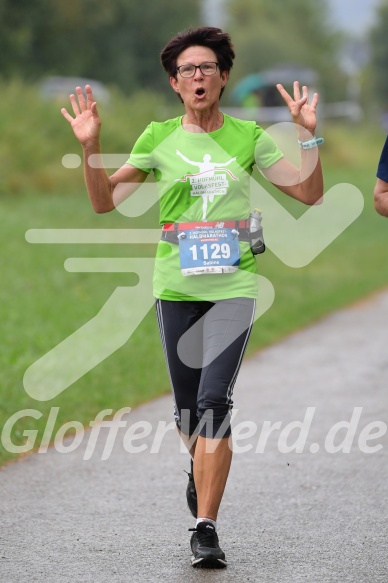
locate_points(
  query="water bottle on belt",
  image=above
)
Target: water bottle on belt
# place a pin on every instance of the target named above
(256, 232)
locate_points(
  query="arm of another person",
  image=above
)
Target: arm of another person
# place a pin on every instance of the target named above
(381, 197)
(381, 187)
(305, 183)
(105, 191)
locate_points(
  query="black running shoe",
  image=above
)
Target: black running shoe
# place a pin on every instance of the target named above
(206, 550)
(191, 493)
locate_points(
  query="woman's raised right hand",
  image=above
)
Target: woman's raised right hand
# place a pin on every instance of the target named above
(86, 124)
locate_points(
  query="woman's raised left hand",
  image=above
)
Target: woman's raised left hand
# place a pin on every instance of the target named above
(303, 113)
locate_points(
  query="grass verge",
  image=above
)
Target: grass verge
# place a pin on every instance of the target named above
(41, 303)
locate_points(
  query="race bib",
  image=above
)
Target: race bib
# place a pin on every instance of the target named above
(207, 248)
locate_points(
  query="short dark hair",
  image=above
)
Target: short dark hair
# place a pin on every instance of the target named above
(205, 36)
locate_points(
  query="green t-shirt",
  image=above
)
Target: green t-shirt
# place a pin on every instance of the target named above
(203, 177)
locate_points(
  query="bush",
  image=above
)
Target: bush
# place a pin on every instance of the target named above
(35, 136)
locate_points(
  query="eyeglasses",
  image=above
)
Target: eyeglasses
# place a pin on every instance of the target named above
(208, 68)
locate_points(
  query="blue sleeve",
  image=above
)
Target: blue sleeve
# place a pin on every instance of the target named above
(382, 169)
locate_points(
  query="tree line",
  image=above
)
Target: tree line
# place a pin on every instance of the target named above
(119, 42)
(115, 42)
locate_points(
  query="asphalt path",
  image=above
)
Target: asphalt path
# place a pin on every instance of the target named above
(307, 496)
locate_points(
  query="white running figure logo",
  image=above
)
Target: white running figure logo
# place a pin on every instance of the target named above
(208, 167)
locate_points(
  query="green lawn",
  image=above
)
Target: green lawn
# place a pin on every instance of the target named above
(41, 303)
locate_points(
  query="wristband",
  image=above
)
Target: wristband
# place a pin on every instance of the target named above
(311, 143)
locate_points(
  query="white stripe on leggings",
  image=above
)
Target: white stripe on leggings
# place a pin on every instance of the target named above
(159, 314)
(234, 378)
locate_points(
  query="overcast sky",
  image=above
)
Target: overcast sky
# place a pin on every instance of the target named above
(354, 15)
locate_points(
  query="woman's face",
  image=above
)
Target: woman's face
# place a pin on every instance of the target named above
(199, 92)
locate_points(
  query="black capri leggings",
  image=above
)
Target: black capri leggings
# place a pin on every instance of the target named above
(204, 343)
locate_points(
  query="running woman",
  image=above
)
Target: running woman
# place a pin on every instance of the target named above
(205, 278)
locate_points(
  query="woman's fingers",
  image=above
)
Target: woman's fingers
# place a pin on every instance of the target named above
(80, 104)
(81, 99)
(93, 109)
(314, 101)
(297, 94)
(286, 96)
(74, 104)
(296, 91)
(66, 115)
(89, 96)
(299, 105)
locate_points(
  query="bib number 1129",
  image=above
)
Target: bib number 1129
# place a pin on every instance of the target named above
(210, 251)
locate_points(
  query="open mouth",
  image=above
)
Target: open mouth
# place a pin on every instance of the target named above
(200, 92)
